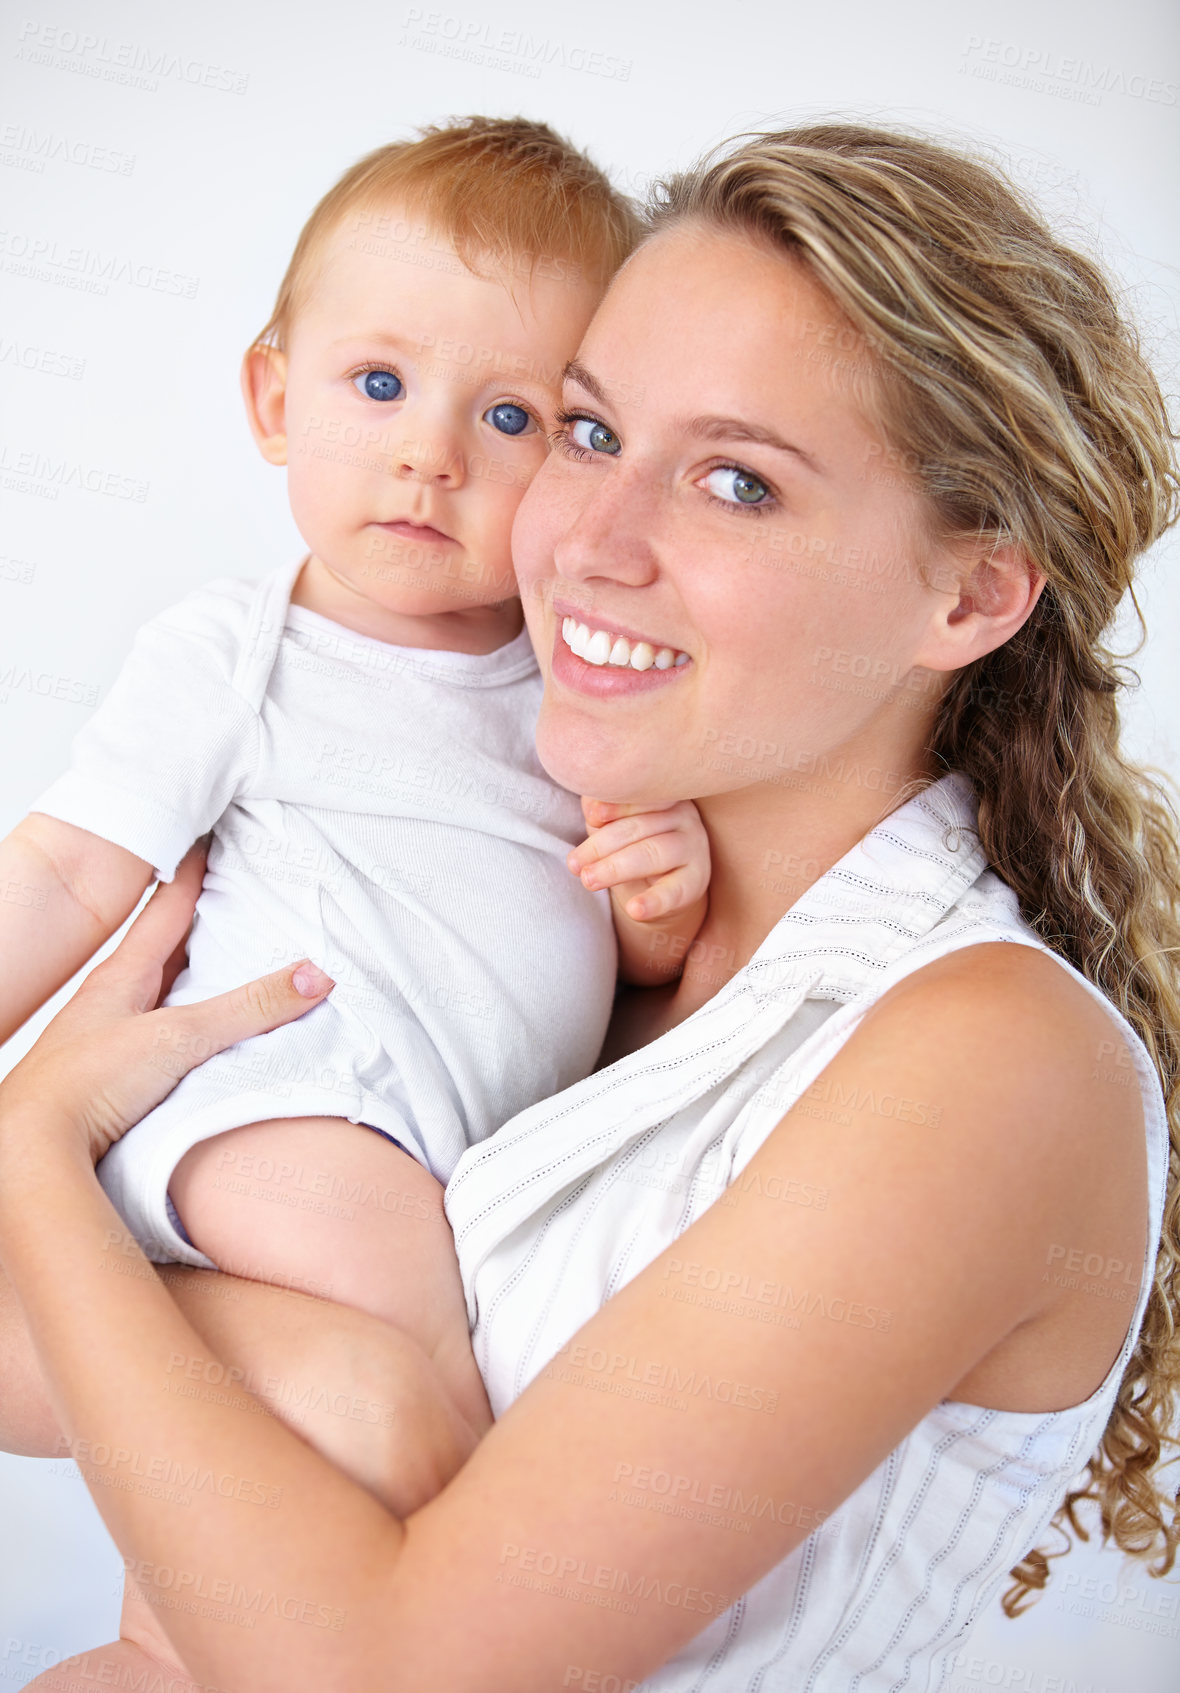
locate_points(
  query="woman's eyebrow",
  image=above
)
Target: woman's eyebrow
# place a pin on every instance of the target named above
(575, 371)
(736, 429)
(704, 428)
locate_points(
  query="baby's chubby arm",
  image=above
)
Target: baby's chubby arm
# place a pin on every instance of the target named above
(63, 892)
(655, 861)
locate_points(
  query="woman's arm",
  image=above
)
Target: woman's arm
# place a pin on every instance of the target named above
(531, 1569)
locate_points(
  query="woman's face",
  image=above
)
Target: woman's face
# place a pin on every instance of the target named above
(720, 493)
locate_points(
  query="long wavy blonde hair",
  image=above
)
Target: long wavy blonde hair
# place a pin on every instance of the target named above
(1015, 393)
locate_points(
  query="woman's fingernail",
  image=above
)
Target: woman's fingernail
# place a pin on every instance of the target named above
(310, 981)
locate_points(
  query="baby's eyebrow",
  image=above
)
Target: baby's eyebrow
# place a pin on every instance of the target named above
(381, 336)
(500, 369)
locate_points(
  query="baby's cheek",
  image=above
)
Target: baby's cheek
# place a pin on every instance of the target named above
(535, 532)
(499, 502)
(315, 497)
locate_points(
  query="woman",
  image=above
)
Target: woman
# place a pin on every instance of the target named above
(776, 1312)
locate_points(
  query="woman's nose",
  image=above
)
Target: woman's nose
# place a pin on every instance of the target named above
(612, 533)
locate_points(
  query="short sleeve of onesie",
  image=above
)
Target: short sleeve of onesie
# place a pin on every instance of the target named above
(162, 756)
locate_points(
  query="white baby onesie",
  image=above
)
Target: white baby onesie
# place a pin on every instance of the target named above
(380, 810)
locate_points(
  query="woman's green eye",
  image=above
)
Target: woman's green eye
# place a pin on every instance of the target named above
(738, 487)
(586, 432)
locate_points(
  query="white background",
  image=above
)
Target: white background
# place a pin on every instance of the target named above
(224, 124)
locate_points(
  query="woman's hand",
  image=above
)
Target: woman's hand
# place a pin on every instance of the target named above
(110, 1055)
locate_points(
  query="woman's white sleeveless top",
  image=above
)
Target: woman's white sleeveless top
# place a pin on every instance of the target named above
(572, 1198)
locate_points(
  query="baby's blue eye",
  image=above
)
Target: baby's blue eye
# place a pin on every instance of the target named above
(379, 385)
(739, 488)
(509, 419)
(586, 432)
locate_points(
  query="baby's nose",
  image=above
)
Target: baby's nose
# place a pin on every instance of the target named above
(427, 460)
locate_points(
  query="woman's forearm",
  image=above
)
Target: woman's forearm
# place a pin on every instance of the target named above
(86, 1289)
(28, 1422)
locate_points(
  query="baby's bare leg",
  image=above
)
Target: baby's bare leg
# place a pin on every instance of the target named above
(328, 1207)
(141, 1657)
(310, 1362)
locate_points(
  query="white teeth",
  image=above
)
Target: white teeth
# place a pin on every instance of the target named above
(599, 647)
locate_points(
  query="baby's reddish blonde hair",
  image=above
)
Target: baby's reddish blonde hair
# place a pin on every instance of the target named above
(502, 190)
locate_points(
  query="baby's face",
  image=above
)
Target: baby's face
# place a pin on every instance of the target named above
(418, 400)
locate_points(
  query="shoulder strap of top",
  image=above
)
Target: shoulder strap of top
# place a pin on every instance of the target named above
(264, 632)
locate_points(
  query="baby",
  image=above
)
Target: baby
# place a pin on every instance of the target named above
(356, 731)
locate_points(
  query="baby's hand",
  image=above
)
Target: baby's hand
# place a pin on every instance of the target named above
(654, 861)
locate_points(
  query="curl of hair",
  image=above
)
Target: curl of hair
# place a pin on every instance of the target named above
(1018, 398)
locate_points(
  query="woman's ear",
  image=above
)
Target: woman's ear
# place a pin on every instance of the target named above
(979, 600)
(264, 389)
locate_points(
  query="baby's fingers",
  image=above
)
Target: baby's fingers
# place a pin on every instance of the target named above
(634, 823)
(599, 812)
(632, 861)
(605, 840)
(673, 892)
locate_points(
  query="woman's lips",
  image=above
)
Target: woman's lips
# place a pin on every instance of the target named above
(420, 532)
(606, 681)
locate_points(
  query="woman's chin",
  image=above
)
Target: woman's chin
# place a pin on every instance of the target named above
(587, 759)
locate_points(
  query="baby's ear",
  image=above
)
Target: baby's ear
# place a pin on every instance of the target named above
(264, 389)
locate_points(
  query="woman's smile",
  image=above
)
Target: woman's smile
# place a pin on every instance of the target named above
(599, 645)
(596, 660)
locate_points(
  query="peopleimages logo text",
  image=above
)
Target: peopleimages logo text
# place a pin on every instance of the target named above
(63, 48)
(1045, 71)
